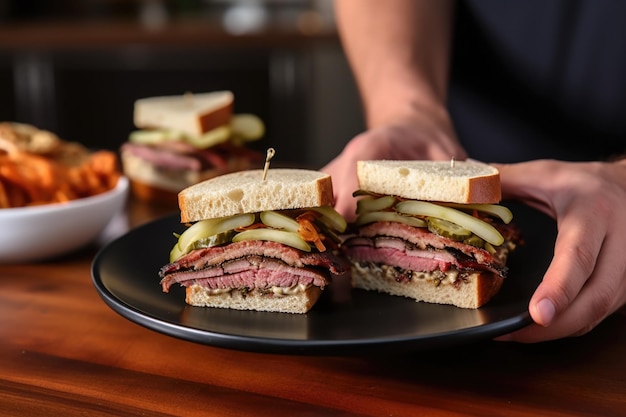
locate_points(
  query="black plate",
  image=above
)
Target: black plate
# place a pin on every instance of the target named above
(125, 274)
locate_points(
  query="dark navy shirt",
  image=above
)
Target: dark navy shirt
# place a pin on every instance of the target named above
(540, 79)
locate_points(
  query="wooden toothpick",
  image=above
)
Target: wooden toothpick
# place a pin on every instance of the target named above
(452, 162)
(270, 155)
(188, 98)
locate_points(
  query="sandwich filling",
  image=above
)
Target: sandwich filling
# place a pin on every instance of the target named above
(406, 252)
(409, 240)
(272, 253)
(179, 164)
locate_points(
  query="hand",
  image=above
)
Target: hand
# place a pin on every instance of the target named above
(586, 280)
(402, 140)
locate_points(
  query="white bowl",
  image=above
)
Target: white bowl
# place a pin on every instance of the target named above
(43, 232)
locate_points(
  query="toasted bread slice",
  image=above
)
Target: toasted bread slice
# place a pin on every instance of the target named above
(193, 114)
(473, 291)
(248, 192)
(298, 302)
(462, 182)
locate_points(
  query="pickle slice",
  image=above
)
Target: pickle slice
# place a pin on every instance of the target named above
(209, 227)
(175, 253)
(332, 218)
(152, 137)
(447, 229)
(493, 209)
(211, 138)
(281, 236)
(478, 227)
(388, 216)
(369, 204)
(475, 241)
(247, 127)
(214, 240)
(279, 221)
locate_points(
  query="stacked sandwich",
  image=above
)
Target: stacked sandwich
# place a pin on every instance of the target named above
(258, 240)
(431, 231)
(185, 139)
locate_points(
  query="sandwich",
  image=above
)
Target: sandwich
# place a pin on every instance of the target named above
(257, 240)
(185, 139)
(432, 231)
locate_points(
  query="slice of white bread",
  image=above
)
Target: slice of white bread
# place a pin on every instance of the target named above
(299, 302)
(247, 192)
(472, 292)
(193, 114)
(450, 181)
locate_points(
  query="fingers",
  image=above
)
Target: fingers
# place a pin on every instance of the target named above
(527, 182)
(586, 280)
(602, 295)
(576, 249)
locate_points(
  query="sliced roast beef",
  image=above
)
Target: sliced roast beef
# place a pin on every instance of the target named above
(249, 272)
(163, 158)
(182, 156)
(252, 264)
(417, 249)
(203, 258)
(423, 239)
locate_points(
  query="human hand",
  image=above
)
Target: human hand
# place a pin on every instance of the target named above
(402, 140)
(586, 279)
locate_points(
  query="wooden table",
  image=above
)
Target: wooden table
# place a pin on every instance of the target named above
(64, 352)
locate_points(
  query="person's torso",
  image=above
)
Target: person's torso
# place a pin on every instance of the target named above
(540, 79)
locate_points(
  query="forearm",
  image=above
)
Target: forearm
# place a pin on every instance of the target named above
(399, 52)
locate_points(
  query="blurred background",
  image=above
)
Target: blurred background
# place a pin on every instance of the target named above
(75, 67)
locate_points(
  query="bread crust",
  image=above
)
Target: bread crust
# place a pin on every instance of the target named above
(472, 292)
(298, 303)
(465, 182)
(248, 192)
(193, 114)
(215, 118)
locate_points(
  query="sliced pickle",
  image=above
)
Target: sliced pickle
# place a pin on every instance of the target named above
(152, 137)
(279, 221)
(210, 227)
(368, 204)
(388, 216)
(281, 236)
(474, 241)
(247, 127)
(214, 240)
(212, 137)
(175, 253)
(478, 227)
(494, 209)
(331, 218)
(447, 229)
(490, 248)
(205, 242)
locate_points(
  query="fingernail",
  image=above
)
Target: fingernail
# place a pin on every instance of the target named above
(545, 311)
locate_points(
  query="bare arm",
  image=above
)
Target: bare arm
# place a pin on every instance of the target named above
(399, 52)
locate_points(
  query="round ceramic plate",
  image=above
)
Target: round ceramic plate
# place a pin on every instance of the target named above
(344, 320)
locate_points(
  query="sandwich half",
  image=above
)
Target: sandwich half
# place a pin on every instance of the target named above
(432, 231)
(255, 243)
(185, 139)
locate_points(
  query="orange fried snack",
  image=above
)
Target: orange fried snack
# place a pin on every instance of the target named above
(28, 179)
